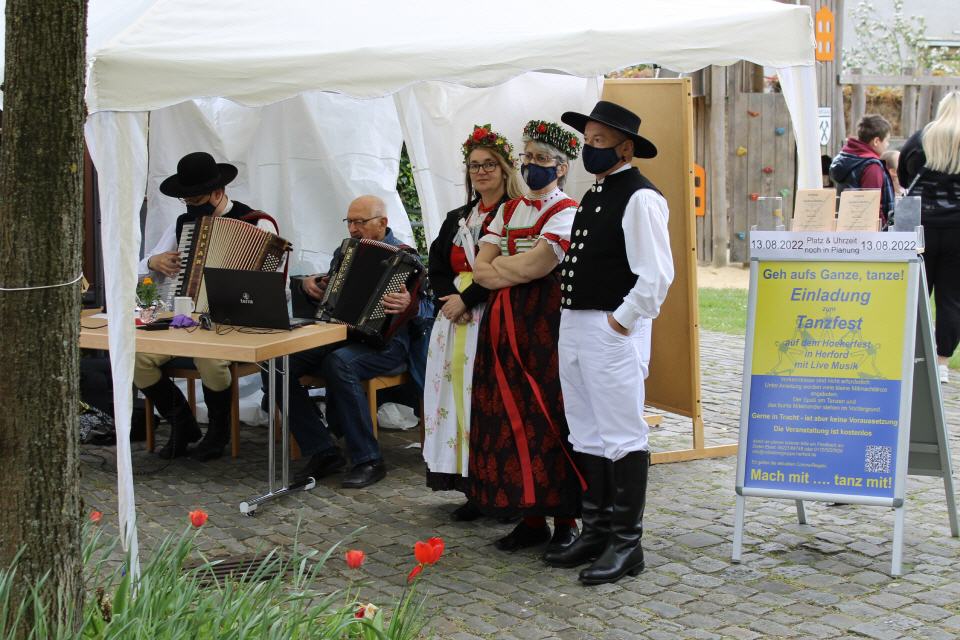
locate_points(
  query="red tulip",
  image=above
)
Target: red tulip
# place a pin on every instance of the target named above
(198, 518)
(366, 611)
(355, 558)
(414, 573)
(428, 552)
(95, 516)
(438, 546)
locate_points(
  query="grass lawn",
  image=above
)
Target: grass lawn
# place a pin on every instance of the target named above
(725, 310)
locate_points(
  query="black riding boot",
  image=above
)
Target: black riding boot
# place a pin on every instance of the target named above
(174, 408)
(623, 554)
(218, 429)
(597, 507)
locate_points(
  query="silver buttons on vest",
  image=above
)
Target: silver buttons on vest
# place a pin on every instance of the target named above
(597, 209)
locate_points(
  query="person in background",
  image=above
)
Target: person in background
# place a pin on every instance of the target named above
(891, 160)
(520, 462)
(937, 183)
(613, 280)
(491, 179)
(858, 165)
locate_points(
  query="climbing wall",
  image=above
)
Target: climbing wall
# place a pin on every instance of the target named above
(761, 161)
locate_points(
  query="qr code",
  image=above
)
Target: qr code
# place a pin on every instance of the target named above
(877, 459)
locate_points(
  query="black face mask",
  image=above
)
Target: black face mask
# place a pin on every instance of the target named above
(200, 210)
(538, 177)
(597, 160)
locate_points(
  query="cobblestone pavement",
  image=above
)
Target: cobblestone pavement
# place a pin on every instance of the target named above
(827, 579)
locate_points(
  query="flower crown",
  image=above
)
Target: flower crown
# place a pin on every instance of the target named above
(484, 136)
(553, 135)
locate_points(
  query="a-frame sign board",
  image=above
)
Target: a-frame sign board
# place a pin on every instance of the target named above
(841, 397)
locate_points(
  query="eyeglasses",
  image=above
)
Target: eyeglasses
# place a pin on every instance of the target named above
(538, 158)
(359, 222)
(194, 199)
(488, 166)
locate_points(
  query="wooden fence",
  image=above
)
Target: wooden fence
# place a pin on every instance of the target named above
(921, 95)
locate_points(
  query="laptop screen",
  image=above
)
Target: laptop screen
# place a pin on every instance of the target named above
(247, 298)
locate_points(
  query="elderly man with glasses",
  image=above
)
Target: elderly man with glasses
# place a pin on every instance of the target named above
(345, 365)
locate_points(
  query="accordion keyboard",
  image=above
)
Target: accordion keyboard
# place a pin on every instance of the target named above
(174, 286)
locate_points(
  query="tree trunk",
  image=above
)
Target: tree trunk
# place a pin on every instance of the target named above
(41, 154)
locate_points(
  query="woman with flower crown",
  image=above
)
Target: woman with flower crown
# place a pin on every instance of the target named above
(491, 179)
(520, 461)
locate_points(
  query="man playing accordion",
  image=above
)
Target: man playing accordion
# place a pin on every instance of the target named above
(345, 365)
(200, 184)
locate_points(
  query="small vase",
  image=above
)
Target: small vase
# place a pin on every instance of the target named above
(148, 313)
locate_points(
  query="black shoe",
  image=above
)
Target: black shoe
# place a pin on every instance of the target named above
(465, 513)
(324, 463)
(597, 512)
(523, 536)
(174, 408)
(176, 446)
(364, 475)
(217, 436)
(623, 554)
(564, 535)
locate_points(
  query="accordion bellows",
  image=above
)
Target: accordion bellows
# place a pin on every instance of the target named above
(225, 243)
(367, 271)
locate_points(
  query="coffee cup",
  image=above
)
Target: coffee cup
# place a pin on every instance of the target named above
(182, 306)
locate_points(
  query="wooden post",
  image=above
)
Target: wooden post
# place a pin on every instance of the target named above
(908, 110)
(717, 165)
(858, 103)
(924, 108)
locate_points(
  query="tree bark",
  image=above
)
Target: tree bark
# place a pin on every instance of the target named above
(41, 155)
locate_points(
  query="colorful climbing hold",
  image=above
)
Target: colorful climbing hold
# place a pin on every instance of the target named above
(752, 114)
(780, 131)
(754, 196)
(741, 151)
(768, 169)
(784, 193)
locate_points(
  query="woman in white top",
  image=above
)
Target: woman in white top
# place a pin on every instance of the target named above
(491, 179)
(520, 461)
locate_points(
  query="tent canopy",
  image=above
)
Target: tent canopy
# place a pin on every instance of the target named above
(257, 53)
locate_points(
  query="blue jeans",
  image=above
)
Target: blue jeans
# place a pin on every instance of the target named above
(344, 366)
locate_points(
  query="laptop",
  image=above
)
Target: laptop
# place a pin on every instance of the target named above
(249, 299)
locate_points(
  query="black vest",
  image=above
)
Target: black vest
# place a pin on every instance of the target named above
(595, 273)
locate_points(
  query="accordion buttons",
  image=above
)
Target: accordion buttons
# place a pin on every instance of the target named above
(598, 209)
(571, 273)
(566, 258)
(563, 272)
(577, 232)
(574, 259)
(586, 231)
(579, 209)
(581, 246)
(600, 188)
(593, 189)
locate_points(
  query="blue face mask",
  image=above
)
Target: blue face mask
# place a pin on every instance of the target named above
(597, 160)
(538, 177)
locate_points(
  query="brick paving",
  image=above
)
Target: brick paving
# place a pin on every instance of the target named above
(826, 579)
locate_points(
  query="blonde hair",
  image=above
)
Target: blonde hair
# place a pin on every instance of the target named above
(514, 186)
(941, 138)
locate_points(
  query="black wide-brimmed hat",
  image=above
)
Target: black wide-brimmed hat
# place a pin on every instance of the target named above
(616, 117)
(197, 174)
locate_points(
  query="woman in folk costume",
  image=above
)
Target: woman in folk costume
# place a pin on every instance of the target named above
(520, 462)
(491, 180)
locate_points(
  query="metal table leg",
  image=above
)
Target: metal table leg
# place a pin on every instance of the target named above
(250, 506)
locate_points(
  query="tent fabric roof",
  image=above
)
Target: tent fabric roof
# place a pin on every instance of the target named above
(259, 53)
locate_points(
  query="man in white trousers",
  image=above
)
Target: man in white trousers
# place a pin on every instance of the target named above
(614, 278)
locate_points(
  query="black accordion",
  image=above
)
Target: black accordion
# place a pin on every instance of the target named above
(368, 270)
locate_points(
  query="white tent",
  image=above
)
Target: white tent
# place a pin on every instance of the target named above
(149, 55)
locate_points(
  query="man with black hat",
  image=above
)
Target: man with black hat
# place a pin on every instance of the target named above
(199, 183)
(614, 278)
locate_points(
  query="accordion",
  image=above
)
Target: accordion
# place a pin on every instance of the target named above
(368, 270)
(225, 243)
